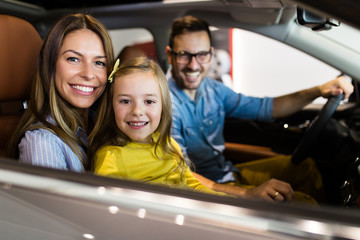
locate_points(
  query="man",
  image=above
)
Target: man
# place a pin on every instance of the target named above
(200, 105)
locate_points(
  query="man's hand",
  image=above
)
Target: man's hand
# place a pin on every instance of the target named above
(336, 87)
(291, 103)
(272, 190)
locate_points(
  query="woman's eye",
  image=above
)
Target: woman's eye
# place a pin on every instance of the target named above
(100, 63)
(72, 59)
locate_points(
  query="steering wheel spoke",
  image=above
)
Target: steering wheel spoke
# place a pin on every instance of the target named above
(314, 129)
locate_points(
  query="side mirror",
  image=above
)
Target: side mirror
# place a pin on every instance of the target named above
(315, 22)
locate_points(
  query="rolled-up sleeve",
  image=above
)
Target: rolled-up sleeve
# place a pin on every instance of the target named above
(241, 106)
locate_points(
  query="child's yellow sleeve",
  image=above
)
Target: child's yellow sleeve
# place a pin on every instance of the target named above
(108, 163)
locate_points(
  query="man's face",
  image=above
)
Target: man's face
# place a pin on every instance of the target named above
(188, 76)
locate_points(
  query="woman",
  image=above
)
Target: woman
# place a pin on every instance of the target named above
(71, 75)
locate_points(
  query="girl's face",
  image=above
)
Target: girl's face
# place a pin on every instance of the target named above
(80, 76)
(137, 105)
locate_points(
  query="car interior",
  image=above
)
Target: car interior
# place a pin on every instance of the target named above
(329, 133)
(20, 45)
(246, 140)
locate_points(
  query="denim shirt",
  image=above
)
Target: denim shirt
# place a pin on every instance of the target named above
(41, 147)
(198, 125)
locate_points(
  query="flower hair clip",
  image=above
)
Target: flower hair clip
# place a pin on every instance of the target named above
(116, 67)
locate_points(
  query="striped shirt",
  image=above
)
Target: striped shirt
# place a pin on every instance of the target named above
(40, 147)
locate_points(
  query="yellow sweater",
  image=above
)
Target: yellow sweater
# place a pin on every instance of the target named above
(137, 161)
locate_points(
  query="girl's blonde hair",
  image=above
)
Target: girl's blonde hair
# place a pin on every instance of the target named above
(45, 100)
(106, 132)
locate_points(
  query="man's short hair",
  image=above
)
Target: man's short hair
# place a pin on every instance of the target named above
(188, 24)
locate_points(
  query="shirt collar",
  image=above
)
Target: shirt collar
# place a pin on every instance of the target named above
(178, 92)
(181, 95)
(80, 132)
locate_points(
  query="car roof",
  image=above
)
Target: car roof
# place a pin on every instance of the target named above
(345, 10)
(58, 4)
(274, 19)
(33, 10)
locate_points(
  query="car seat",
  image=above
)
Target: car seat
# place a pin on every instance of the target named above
(20, 45)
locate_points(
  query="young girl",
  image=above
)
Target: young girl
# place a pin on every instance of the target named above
(131, 138)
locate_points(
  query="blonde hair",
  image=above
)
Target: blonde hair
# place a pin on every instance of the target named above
(45, 100)
(106, 132)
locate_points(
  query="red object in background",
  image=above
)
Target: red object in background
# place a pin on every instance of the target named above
(231, 52)
(148, 48)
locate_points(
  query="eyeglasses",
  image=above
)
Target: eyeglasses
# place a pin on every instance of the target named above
(184, 57)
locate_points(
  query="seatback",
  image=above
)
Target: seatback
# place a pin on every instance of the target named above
(20, 45)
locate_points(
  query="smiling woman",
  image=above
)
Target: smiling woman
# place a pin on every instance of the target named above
(71, 76)
(81, 69)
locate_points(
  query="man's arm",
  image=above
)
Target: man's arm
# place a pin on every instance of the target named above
(267, 190)
(291, 103)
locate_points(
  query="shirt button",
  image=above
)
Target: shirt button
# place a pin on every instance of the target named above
(201, 128)
(210, 122)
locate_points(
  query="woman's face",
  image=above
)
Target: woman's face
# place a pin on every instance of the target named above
(137, 105)
(81, 68)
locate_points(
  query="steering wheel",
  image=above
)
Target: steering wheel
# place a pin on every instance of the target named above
(304, 148)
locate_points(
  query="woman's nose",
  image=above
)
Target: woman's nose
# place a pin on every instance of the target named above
(88, 71)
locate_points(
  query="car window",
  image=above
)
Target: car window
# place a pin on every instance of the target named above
(266, 67)
(139, 37)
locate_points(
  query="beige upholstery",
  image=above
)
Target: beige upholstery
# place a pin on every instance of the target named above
(20, 45)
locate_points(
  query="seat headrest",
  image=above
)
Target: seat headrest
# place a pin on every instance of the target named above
(20, 45)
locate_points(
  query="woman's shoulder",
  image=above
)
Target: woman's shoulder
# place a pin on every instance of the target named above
(41, 137)
(42, 147)
(40, 133)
